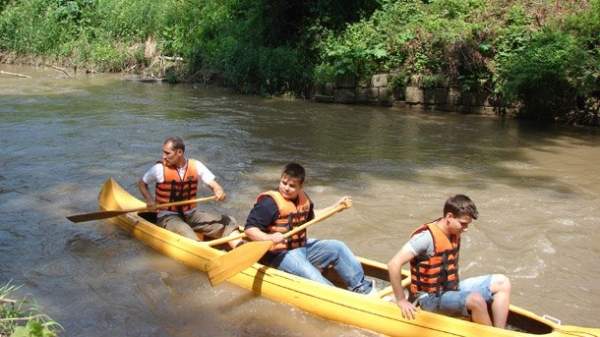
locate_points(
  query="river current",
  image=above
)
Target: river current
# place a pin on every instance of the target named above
(537, 190)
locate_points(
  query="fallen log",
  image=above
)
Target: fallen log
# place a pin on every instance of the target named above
(14, 74)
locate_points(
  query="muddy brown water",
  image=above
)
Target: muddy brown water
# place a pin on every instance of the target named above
(537, 190)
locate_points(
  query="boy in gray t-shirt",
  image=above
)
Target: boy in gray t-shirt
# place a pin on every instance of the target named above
(433, 252)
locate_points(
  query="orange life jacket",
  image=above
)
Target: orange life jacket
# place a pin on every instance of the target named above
(438, 273)
(290, 215)
(176, 188)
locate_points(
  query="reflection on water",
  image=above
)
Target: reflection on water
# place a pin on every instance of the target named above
(537, 191)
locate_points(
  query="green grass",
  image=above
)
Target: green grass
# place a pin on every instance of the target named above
(21, 318)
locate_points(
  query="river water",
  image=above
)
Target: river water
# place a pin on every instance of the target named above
(537, 190)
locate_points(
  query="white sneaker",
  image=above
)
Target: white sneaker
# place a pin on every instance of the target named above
(374, 290)
(389, 298)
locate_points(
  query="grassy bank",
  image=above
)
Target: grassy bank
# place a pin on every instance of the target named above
(543, 56)
(20, 318)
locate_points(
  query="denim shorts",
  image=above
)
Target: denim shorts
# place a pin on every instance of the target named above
(453, 302)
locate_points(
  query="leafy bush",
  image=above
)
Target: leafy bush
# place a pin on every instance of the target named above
(543, 75)
(20, 318)
(270, 47)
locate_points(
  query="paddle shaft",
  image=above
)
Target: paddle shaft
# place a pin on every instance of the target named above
(111, 213)
(286, 235)
(336, 209)
(175, 203)
(226, 239)
(227, 265)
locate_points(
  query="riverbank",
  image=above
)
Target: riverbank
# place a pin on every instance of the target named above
(159, 68)
(503, 50)
(19, 317)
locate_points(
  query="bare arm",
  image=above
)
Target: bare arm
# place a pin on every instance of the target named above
(395, 270)
(143, 187)
(255, 234)
(217, 190)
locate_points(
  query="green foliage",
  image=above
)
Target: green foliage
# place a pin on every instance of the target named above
(88, 31)
(399, 81)
(324, 73)
(411, 35)
(542, 56)
(554, 73)
(543, 74)
(271, 47)
(23, 319)
(433, 81)
(33, 328)
(266, 46)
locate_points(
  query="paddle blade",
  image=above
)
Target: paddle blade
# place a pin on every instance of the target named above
(95, 215)
(226, 266)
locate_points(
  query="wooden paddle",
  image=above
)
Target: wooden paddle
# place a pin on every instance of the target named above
(225, 266)
(109, 214)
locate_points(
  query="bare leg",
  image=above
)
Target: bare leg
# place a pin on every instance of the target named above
(500, 288)
(478, 307)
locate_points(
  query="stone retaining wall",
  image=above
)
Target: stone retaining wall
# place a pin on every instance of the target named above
(379, 92)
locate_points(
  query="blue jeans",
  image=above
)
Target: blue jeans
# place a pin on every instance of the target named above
(454, 302)
(319, 254)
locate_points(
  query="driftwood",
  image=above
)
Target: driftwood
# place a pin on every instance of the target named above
(14, 74)
(130, 69)
(16, 319)
(171, 58)
(59, 69)
(7, 300)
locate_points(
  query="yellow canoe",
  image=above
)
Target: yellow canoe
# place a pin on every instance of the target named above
(333, 303)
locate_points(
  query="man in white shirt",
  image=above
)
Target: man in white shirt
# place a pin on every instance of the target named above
(177, 178)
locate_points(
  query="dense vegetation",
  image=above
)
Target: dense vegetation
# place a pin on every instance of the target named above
(543, 56)
(20, 318)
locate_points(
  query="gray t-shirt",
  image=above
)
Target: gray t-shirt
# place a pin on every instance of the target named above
(421, 244)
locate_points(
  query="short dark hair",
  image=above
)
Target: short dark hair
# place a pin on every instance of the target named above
(294, 170)
(176, 143)
(460, 205)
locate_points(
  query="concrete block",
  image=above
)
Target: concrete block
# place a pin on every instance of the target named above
(345, 82)
(473, 99)
(453, 96)
(414, 95)
(379, 80)
(367, 95)
(435, 96)
(385, 96)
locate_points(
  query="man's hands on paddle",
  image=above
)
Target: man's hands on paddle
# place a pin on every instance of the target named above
(217, 190)
(407, 308)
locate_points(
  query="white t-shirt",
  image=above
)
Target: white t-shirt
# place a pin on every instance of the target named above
(156, 175)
